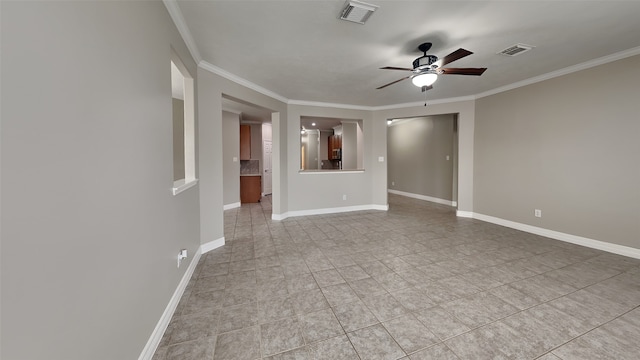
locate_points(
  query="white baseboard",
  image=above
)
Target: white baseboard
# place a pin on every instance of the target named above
(380, 207)
(279, 217)
(153, 342)
(324, 211)
(465, 214)
(156, 336)
(231, 206)
(211, 245)
(574, 239)
(423, 197)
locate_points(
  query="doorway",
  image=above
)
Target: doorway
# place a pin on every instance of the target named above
(422, 157)
(258, 162)
(266, 153)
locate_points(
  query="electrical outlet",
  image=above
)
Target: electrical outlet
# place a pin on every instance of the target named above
(537, 213)
(182, 255)
(344, 197)
(393, 183)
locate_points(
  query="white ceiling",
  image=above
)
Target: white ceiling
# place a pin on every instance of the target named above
(301, 51)
(319, 123)
(249, 113)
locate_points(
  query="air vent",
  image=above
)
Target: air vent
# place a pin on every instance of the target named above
(516, 49)
(357, 12)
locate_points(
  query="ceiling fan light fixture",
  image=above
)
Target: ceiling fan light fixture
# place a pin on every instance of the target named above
(424, 79)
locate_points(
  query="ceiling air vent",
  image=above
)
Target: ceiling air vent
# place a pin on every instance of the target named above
(357, 11)
(516, 49)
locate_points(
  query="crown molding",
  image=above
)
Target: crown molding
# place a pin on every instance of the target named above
(178, 19)
(422, 103)
(238, 80)
(330, 105)
(568, 70)
(233, 111)
(183, 29)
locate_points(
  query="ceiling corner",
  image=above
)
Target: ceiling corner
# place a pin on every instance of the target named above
(183, 29)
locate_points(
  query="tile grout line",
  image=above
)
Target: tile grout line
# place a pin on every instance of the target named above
(586, 332)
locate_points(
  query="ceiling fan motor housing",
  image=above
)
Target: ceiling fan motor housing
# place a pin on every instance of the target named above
(424, 62)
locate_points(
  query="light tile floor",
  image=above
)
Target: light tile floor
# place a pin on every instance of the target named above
(415, 283)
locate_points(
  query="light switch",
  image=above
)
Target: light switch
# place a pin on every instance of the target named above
(447, 157)
(235, 159)
(380, 158)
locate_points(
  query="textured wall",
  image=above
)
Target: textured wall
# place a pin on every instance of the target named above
(90, 228)
(568, 146)
(417, 149)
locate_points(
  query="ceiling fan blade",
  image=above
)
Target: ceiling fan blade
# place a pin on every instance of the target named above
(391, 83)
(456, 55)
(461, 71)
(395, 68)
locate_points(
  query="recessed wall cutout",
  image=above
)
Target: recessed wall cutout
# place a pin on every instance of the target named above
(183, 118)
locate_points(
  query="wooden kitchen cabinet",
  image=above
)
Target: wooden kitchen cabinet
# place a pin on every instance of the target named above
(250, 188)
(245, 142)
(335, 147)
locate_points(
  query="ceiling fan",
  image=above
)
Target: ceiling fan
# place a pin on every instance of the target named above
(427, 68)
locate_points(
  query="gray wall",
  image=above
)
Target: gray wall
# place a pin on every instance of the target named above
(417, 149)
(178, 139)
(256, 142)
(349, 145)
(328, 188)
(88, 261)
(324, 144)
(568, 146)
(310, 143)
(465, 114)
(211, 88)
(90, 229)
(231, 149)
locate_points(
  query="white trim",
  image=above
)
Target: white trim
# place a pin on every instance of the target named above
(212, 245)
(279, 217)
(574, 239)
(325, 211)
(237, 112)
(156, 336)
(421, 103)
(183, 29)
(423, 197)
(568, 70)
(464, 214)
(383, 107)
(238, 80)
(379, 207)
(399, 121)
(180, 186)
(325, 172)
(329, 105)
(232, 206)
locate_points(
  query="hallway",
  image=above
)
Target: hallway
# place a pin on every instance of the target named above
(415, 283)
